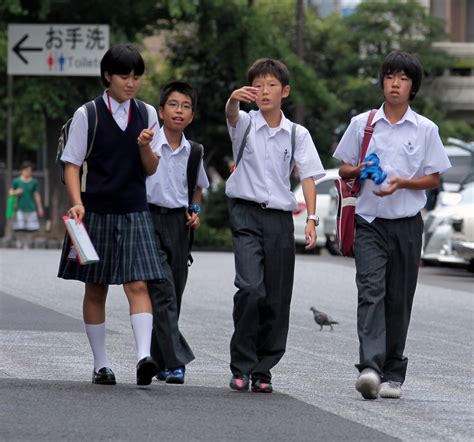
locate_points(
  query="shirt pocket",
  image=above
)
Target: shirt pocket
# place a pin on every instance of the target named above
(283, 159)
(411, 158)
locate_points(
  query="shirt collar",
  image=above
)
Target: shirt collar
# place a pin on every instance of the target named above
(117, 107)
(163, 142)
(408, 116)
(260, 122)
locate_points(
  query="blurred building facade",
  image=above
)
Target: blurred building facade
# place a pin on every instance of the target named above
(454, 88)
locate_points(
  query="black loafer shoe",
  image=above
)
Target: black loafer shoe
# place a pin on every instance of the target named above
(146, 369)
(239, 383)
(105, 376)
(259, 386)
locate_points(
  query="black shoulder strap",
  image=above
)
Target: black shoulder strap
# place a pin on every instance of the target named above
(92, 120)
(293, 144)
(142, 112)
(243, 144)
(194, 160)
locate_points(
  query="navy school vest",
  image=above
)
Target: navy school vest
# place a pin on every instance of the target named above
(115, 181)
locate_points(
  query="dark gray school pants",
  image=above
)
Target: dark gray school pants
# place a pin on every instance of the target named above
(264, 250)
(387, 255)
(168, 347)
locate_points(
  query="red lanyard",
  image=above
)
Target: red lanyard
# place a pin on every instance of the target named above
(129, 107)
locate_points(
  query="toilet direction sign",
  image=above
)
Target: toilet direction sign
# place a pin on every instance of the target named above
(56, 49)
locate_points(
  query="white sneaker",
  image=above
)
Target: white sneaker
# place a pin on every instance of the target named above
(368, 383)
(390, 390)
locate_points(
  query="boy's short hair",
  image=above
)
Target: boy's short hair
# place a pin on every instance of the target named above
(121, 59)
(182, 88)
(268, 66)
(403, 61)
(26, 164)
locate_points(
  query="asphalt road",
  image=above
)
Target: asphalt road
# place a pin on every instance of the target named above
(45, 362)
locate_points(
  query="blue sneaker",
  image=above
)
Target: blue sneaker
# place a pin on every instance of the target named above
(176, 376)
(162, 374)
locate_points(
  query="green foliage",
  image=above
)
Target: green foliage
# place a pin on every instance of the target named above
(215, 210)
(211, 44)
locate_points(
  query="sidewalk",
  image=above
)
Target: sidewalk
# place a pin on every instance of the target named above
(45, 363)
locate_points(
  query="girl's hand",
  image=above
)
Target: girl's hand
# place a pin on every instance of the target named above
(77, 212)
(145, 137)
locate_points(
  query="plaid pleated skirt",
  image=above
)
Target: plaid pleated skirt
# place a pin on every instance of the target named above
(126, 246)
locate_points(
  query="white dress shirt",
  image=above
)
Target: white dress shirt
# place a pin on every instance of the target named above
(263, 174)
(410, 148)
(76, 147)
(168, 186)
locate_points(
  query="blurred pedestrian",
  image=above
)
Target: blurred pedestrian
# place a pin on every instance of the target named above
(389, 225)
(110, 198)
(265, 146)
(174, 203)
(28, 207)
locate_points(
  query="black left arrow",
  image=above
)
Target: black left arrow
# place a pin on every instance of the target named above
(17, 49)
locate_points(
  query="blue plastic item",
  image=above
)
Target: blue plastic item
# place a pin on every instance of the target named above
(373, 172)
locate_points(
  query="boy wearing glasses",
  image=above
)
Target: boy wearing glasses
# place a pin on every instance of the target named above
(173, 217)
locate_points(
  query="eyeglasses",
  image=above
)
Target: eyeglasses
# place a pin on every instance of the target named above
(176, 105)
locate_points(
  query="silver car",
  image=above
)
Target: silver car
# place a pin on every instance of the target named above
(449, 231)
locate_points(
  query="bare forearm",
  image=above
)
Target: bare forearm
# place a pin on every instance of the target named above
(422, 183)
(73, 184)
(39, 205)
(232, 111)
(197, 196)
(309, 193)
(348, 171)
(149, 159)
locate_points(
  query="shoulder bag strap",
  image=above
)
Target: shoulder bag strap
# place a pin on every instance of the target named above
(368, 131)
(243, 144)
(194, 160)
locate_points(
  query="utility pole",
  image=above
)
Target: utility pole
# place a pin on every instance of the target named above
(299, 110)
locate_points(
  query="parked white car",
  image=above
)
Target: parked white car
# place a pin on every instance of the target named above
(449, 232)
(324, 186)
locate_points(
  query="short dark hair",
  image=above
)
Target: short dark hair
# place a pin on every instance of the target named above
(121, 59)
(268, 66)
(182, 88)
(26, 164)
(403, 61)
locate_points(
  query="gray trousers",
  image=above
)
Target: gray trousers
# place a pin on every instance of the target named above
(387, 255)
(168, 346)
(264, 250)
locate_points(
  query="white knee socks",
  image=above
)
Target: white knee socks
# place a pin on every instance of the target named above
(142, 326)
(96, 335)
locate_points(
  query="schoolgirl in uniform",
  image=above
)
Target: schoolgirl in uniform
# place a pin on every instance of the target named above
(110, 198)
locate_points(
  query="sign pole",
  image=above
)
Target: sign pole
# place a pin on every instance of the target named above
(9, 174)
(9, 130)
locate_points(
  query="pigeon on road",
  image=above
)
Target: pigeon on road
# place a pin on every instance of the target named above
(322, 319)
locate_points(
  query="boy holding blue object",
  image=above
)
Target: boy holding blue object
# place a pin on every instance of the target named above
(389, 226)
(174, 203)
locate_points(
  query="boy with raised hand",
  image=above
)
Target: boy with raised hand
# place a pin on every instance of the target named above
(173, 217)
(389, 226)
(265, 144)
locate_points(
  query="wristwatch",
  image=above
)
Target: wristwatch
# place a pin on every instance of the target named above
(196, 208)
(314, 218)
